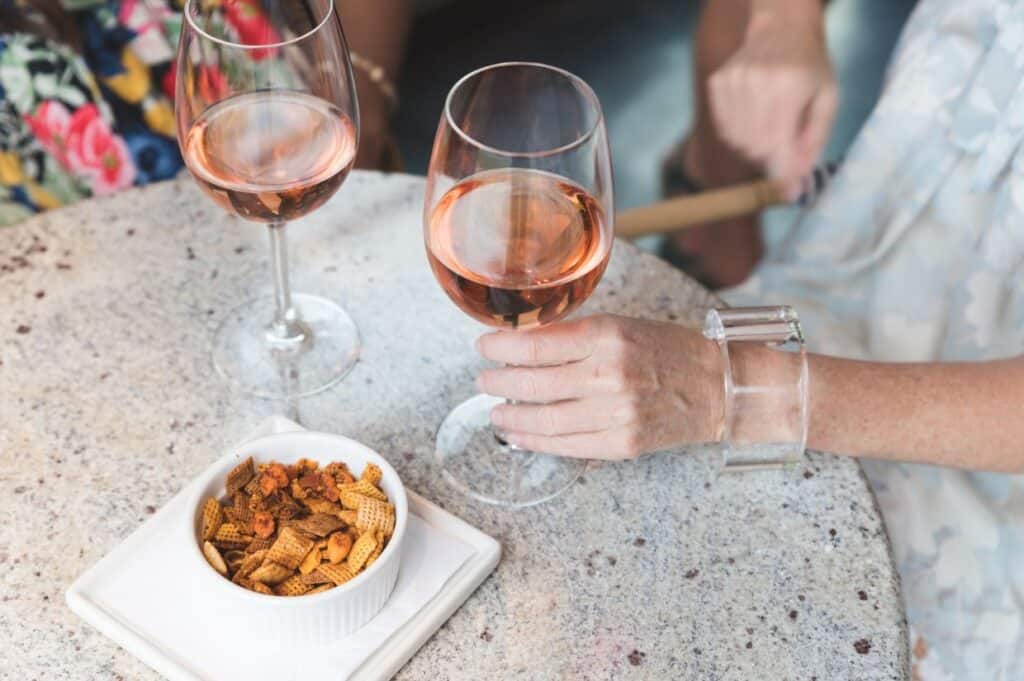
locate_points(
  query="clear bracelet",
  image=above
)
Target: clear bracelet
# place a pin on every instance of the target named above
(766, 402)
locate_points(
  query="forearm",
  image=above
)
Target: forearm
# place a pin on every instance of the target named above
(801, 15)
(377, 31)
(965, 415)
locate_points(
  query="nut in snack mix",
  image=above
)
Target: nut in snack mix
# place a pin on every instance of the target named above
(296, 530)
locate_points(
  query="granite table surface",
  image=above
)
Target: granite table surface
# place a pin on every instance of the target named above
(656, 569)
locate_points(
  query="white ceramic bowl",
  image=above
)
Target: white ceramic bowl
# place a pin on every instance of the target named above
(299, 620)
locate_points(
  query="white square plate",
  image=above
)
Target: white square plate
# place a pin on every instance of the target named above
(101, 596)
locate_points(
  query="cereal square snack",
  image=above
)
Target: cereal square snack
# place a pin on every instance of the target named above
(290, 531)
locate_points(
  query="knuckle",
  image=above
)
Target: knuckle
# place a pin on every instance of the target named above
(625, 444)
(616, 335)
(547, 420)
(632, 410)
(526, 386)
(615, 373)
(752, 77)
(718, 80)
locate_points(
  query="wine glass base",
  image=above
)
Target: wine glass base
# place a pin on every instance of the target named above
(474, 461)
(244, 355)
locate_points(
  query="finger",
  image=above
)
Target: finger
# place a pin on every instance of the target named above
(792, 189)
(793, 163)
(789, 189)
(781, 167)
(538, 384)
(609, 445)
(555, 344)
(586, 415)
(821, 113)
(804, 181)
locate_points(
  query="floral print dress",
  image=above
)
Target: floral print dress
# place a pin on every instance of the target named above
(74, 125)
(916, 253)
(78, 125)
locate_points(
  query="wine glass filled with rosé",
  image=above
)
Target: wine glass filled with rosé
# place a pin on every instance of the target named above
(518, 230)
(268, 125)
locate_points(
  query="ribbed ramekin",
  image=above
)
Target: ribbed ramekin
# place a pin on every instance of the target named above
(297, 620)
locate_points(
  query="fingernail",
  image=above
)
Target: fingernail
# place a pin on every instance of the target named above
(476, 345)
(497, 417)
(479, 383)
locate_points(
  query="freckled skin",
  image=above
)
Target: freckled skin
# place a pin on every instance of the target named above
(611, 387)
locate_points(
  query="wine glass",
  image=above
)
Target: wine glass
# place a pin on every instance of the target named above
(268, 125)
(518, 230)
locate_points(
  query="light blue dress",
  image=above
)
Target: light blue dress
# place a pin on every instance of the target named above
(916, 253)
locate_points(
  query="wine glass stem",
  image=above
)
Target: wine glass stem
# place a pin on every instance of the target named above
(286, 332)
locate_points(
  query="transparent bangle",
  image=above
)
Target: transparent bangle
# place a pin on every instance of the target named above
(765, 416)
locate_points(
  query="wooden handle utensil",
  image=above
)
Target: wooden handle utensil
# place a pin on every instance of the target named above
(718, 204)
(697, 209)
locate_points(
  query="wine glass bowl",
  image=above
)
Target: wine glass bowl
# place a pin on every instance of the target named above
(518, 232)
(268, 125)
(307, 150)
(516, 248)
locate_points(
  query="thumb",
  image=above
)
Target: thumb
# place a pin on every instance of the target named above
(821, 113)
(781, 168)
(791, 164)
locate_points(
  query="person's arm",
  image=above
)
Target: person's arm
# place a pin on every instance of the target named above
(775, 98)
(967, 415)
(627, 387)
(376, 30)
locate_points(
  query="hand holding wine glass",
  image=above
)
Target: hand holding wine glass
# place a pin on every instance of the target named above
(269, 127)
(518, 231)
(610, 387)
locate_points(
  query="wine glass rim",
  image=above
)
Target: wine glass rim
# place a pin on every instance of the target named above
(263, 46)
(584, 87)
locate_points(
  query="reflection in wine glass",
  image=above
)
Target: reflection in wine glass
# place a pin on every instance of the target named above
(268, 125)
(517, 224)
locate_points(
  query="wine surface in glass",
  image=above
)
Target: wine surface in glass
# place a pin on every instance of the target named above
(516, 248)
(271, 156)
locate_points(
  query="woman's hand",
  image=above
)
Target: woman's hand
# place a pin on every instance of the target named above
(776, 97)
(605, 387)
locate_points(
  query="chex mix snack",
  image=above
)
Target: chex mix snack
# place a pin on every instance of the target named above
(299, 529)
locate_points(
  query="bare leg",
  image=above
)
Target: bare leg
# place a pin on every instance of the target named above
(723, 253)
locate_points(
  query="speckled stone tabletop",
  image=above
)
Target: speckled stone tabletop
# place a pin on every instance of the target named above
(657, 569)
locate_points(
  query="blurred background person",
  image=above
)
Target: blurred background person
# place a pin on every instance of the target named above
(765, 97)
(641, 62)
(649, 62)
(87, 90)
